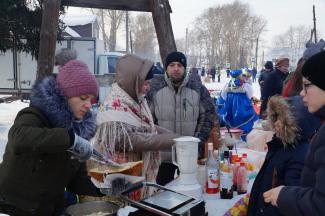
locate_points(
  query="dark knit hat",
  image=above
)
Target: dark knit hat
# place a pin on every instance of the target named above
(74, 79)
(313, 48)
(64, 56)
(151, 72)
(282, 61)
(269, 65)
(314, 69)
(175, 57)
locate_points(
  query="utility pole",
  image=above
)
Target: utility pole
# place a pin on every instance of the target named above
(240, 57)
(131, 43)
(256, 51)
(229, 58)
(262, 62)
(186, 40)
(314, 18)
(127, 31)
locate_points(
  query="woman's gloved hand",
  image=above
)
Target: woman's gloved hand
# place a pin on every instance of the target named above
(81, 148)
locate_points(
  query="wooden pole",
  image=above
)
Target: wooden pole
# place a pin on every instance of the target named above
(163, 26)
(229, 58)
(48, 37)
(127, 31)
(314, 18)
(186, 40)
(131, 42)
(262, 61)
(256, 51)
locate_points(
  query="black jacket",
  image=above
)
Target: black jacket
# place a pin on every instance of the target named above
(283, 165)
(309, 198)
(272, 86)
(36, 167)
(261, 81)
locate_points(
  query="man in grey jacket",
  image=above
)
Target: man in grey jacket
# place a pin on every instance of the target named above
(180, 104)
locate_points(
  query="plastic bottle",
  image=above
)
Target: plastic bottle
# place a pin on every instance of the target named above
(245, 160)
(235, 172)
(242, 179)
(226, 178)
(211, 170)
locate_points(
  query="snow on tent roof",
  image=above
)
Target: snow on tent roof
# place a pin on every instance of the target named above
(79, 20)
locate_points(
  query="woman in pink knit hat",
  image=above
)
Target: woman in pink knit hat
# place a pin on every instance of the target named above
(48, 144)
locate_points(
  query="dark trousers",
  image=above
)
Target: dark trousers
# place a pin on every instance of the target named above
(12, 210)
(213, 77)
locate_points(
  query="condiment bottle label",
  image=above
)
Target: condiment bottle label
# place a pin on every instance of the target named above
(212, 178)
(226, 180)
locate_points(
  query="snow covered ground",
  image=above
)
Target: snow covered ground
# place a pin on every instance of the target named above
(8, 111)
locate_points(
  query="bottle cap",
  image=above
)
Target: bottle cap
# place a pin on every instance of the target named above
(244, 155)
(242, 164)
(234, 158)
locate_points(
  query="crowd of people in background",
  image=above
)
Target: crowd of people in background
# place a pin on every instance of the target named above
(139, 119)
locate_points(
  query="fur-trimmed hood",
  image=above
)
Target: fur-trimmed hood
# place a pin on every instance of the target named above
(47, 97)
(299, 124)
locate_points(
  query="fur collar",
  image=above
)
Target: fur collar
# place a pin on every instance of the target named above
(47, 97)
(298, 124)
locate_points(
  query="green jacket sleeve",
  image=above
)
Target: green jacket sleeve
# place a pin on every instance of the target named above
(31, 132)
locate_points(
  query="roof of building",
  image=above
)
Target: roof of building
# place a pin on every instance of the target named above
(74, 20)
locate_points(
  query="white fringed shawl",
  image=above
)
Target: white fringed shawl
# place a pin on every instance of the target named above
(117, 119)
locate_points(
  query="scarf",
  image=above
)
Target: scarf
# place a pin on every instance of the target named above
(120, 116)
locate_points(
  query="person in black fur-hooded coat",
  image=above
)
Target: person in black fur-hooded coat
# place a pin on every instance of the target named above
(309, 197)
(293, 126)
(37, 164)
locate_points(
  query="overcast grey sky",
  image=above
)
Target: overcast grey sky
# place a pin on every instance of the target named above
(280, 14)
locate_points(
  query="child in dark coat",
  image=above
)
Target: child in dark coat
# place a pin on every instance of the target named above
(284, 161)
(309, 197)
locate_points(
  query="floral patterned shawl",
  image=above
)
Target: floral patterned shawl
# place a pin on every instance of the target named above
(120, 116)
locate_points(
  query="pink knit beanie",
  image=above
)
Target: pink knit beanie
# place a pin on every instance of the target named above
(74, 79)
